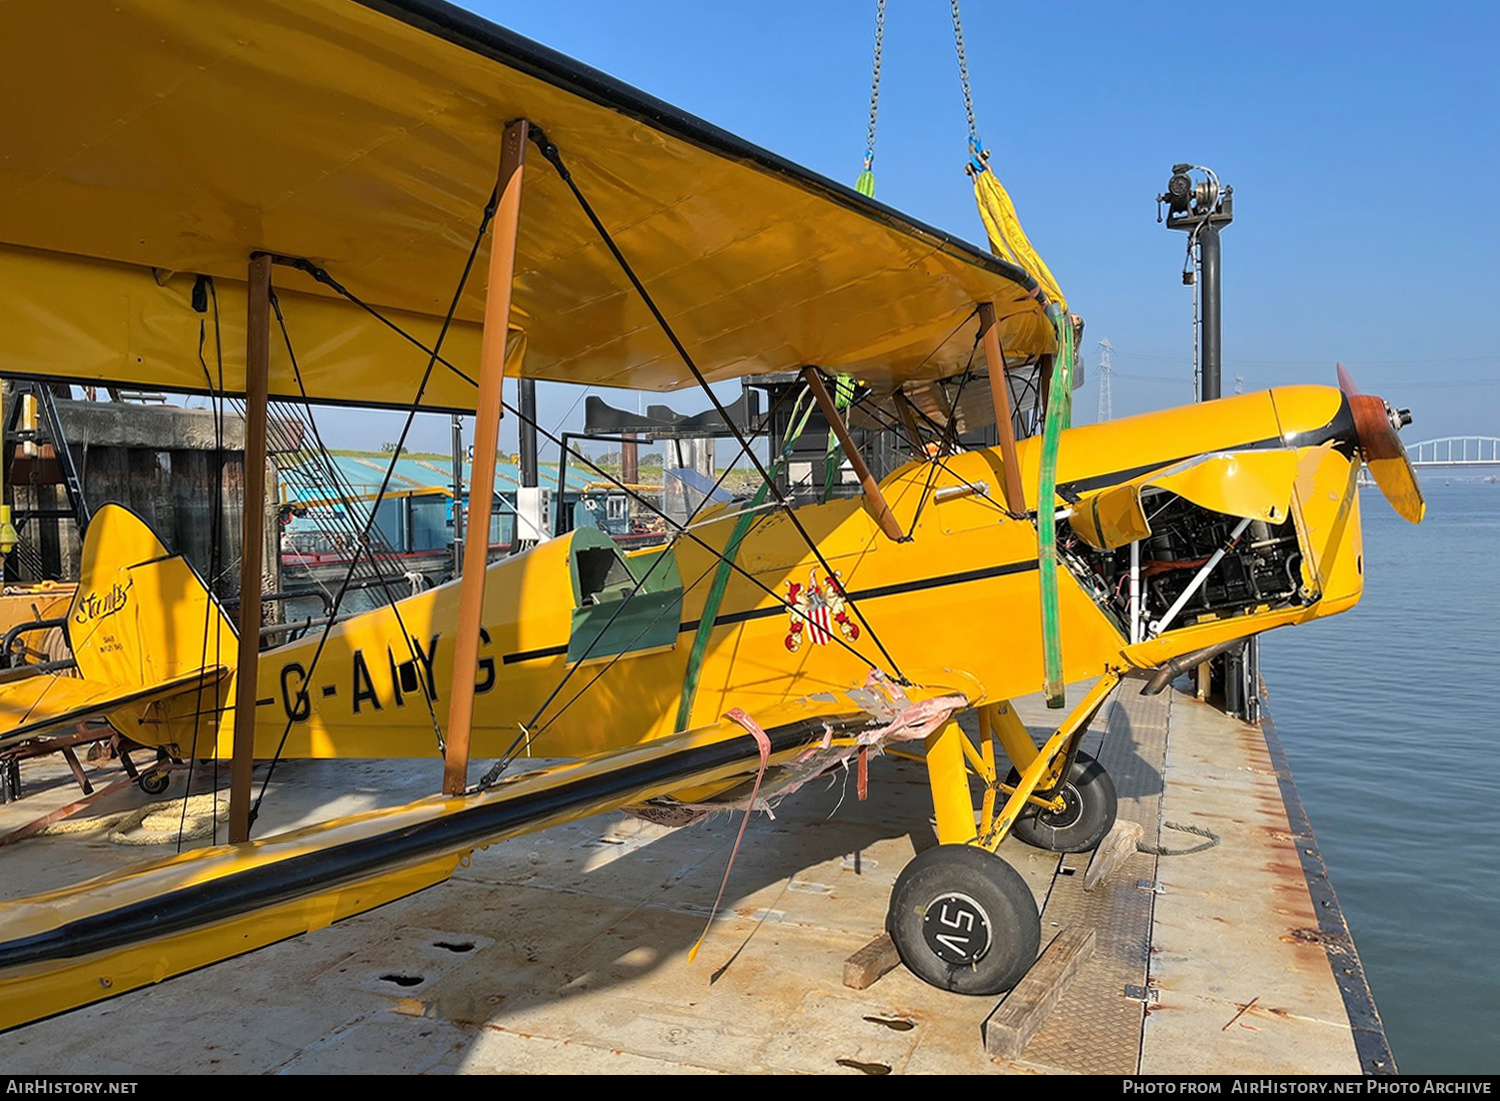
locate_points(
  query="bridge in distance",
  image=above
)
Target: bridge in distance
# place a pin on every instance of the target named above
(1454, 454)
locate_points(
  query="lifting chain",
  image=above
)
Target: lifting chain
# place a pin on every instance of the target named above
(875, 84)
(865, 184)
(963, 70)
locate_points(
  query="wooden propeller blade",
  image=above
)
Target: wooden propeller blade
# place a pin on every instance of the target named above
(1380, 444)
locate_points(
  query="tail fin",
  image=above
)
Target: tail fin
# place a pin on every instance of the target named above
(142, 616)
(152, 644)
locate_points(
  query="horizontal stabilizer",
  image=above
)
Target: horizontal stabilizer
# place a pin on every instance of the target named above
(43, 703)
(661, 422)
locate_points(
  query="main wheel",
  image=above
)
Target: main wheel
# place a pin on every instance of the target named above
(964, 920)
(1089, 805)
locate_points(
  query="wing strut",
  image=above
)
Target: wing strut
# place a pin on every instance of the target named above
(486, 444)
(876, 500)
(994, 357)
(252, 542)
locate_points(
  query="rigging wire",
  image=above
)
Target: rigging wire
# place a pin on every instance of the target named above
(563, 448)
(890, 424)
(215, 553)
(529, 735)
(950, 433)
(682, 529)
(433, 358)
(427, 689)
(326, 478)
(552, 155)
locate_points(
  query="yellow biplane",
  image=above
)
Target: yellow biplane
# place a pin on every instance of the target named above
(280, 199)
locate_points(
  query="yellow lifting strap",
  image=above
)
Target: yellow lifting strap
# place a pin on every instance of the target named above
(1007, 239)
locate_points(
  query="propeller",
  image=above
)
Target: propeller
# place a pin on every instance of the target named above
(1376, 426)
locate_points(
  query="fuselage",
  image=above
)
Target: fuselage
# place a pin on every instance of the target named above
(953, 607)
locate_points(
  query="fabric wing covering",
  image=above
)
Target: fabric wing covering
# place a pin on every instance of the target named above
(152, 142)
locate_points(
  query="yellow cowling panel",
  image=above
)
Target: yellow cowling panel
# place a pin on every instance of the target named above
(1111, 518)
(1325, 501)
(176, 137)
(1253, 484)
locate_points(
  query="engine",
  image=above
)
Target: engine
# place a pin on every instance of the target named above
(1260, 569)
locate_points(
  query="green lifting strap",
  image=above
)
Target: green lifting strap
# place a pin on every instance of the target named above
(1059, 417)
(715, 597)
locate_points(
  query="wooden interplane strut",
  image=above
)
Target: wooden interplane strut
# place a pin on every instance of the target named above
(994, 358)
(252, 541)
(876, 500)
(486, 445)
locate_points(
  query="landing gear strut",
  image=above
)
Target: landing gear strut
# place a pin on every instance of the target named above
(960, 916)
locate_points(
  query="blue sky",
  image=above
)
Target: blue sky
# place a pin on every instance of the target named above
(1359, 139)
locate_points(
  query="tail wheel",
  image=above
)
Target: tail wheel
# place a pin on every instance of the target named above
(1089, 806)
(964, 920)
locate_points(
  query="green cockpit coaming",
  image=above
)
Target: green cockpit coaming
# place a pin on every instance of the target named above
(621, 604)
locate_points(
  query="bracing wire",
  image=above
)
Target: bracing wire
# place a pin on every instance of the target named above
(427, 690)
(433, 359)
(214, 564)
(530, 731)
(553, 156)
(564, 449)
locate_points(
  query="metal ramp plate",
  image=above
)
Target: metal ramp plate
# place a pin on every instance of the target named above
(1096, 1026)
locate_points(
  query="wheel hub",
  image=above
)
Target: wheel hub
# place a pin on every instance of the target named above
(956, 929)
(1071, 812)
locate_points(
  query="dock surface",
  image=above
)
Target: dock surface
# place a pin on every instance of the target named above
(567, 951)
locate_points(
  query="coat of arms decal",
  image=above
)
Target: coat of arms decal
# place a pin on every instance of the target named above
(817, 611)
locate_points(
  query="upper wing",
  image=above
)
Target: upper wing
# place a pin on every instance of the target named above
(167, 139)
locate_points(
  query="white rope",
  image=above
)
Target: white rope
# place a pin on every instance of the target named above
(155, 823)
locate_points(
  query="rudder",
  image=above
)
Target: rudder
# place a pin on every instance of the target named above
(142, 615)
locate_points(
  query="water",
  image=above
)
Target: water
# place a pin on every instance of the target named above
(1389, 715)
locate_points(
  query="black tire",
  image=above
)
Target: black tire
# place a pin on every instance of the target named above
(964, 920)
(154, 783)
(1082, 824)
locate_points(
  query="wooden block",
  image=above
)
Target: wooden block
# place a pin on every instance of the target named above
(870, 962)
(1016, 1020)
(1118, 846)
